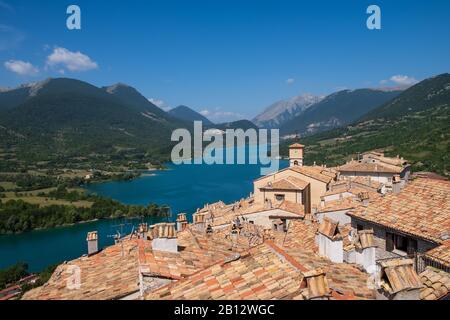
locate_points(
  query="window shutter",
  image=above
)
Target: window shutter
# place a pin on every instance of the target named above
(412, 246)
(389, 241)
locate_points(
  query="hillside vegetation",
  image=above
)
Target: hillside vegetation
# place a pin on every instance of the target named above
(415, 125)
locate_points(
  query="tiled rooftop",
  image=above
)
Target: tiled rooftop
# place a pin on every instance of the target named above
(322, 174)
(399, 275)
(421, 209)
(289, 183)
(357, 166)
(266, 272)
(440, 254)
(437, 284)
(259, 275)
(109, 274)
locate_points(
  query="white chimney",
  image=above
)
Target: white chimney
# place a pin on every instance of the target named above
(330, 240)
(181, 222)
(396, 184)
(92, 241)
(164, 237)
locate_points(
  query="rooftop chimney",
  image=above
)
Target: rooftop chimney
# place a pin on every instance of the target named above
(181, 222)
(364, 197)
(200, 220)
(316, 284)
(396, 184)
(398, 280)
(330, 240)
(142, 230)
(164, 237)
(92, 241)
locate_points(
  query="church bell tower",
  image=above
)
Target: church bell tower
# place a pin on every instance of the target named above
(296, 154)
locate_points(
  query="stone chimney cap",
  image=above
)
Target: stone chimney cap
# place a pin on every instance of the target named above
(199, 217)
(329, 228)
(163, 230)
(143, 227)
(316, 284)
(92, 236)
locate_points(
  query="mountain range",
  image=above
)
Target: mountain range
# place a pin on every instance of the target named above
(282, 111)
(187, 114)
(415, 124)
(66, 118)
(309, 114)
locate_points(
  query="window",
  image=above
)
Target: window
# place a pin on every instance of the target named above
(279, 197)
(401, 244)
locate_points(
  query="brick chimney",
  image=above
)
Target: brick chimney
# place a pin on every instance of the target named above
(181, 222)
(92, 242)
(164, 237)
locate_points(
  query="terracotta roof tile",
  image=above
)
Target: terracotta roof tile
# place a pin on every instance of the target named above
(289, 183)
(356, 166)
(398, 275)
(421, 209)
(437, 284)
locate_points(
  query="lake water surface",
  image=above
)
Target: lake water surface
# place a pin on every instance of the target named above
(184, 188)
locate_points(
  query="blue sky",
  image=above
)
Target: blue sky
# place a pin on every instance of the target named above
(231, 58)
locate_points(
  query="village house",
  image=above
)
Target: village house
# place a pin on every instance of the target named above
(297, 183)
(376, 167)
(414, 222)
(303, 234)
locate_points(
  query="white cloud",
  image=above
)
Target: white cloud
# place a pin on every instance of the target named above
(73, 61)
(205, 112)
(290, 81)
(160, 104)
(22, 68)
(403, 80)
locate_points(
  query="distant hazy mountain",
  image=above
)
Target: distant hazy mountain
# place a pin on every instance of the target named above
(415, 125)
(187, 114)
(337, 109)
(66, 117)
(428, 93)
(240, 124)
(282, 111)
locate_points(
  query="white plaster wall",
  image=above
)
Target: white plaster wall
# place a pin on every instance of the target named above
(262, 218)
(337, 196)
(333, 250)
(164, 244)
(380, 177)
(366, 258)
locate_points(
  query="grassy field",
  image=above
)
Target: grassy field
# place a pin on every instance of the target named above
(34, 198)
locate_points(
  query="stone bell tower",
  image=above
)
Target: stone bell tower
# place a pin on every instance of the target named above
(296, 154)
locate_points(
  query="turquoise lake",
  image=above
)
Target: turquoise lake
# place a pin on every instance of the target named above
(184, 188)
